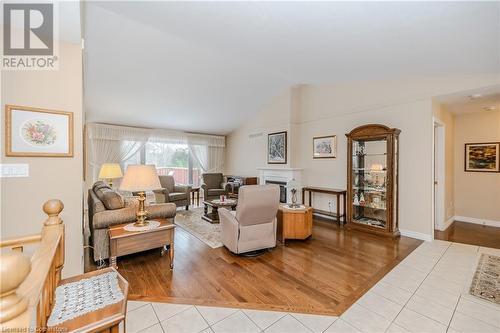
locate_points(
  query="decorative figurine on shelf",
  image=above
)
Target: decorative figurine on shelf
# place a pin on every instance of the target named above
(356, 200)
(361, 199)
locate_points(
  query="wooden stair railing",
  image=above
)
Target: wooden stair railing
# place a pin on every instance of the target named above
(27, 286)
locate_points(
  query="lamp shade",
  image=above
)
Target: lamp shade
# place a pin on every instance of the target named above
(110, 171)
(140, 178)
(377, 167)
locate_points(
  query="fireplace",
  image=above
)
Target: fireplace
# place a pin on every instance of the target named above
(282, 186)
(282, 177)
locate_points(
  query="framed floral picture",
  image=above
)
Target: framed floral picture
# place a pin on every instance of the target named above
(38, 132)
(482, 157)
(276, 148)
(325, 146)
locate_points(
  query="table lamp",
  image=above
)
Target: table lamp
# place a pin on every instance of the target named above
(110, 171)
(140, 178)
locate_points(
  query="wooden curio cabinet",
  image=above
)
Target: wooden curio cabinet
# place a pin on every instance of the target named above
(372, 179)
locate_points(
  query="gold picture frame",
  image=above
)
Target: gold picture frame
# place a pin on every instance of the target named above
(325, 146)
(35, 132)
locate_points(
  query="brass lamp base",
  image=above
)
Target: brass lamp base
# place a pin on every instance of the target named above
(142, 214)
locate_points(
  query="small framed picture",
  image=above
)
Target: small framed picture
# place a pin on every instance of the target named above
(38, 132)
(482, 157)
(325, 146)
(276, 148)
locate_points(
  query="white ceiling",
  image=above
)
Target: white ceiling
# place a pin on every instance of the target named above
(472, 101)
(209, 66)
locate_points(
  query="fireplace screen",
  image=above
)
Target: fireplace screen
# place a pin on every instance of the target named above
(282, 186)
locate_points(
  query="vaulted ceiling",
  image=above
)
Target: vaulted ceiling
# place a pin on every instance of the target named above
(209, 66)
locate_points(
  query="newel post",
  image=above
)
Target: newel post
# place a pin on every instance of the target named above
(14, 268)
(53, 208)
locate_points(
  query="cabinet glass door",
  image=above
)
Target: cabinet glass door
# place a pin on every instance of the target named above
(369, 179)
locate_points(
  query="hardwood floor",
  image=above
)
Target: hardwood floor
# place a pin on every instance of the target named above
(323, 275)
(469, 233)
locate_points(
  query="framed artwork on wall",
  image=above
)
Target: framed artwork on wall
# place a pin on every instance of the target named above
(482, 157)
(38, 132)
(325, 146)
(276, 148)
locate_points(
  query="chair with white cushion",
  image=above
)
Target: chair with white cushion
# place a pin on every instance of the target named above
(252, 227)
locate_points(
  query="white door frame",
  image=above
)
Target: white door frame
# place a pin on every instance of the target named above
(438, 175)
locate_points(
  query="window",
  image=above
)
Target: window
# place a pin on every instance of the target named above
(174, 160)
(133, 159)
(170, 159)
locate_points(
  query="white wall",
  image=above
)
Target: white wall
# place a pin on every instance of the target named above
(477, 194)
(244, 151)
(447, 119)
(61, 178)
(337, 109)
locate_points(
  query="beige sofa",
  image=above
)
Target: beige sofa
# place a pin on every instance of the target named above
(213, 185)
(253, 225)
(106, 208)
(178, 194)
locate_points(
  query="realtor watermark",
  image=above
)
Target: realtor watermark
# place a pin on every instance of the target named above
(30, 36)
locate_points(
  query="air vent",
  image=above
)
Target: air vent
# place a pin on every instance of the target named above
(255, 135)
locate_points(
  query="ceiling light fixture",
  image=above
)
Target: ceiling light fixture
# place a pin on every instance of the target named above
(489, 108)
(475, 96)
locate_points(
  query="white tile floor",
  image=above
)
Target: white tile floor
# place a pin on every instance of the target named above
(424, 294)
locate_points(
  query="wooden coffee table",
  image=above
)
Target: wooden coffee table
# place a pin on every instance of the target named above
(213, 215)
(122, 242)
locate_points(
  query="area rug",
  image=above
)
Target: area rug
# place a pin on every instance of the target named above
(486, 279)
(190, 220)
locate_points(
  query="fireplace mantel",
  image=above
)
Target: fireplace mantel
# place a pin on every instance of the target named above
(284, 175)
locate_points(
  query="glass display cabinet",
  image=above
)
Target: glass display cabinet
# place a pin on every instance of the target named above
(372, 179)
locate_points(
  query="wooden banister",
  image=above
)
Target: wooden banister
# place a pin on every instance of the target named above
(27, 287)
(19, 242)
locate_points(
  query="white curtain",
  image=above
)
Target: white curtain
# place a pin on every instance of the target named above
(207, 151)
(111, 144)
(117, 144)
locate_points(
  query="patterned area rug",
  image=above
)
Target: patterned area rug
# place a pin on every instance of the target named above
(486, 280)
(191, 221)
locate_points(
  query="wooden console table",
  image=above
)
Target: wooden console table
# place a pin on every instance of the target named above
(336, 192)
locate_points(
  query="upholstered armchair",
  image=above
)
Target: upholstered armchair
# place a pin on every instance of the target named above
(213, 185)
(253, 225)
(177, 194)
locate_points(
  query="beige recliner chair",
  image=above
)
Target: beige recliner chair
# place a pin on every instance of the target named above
(252, 226)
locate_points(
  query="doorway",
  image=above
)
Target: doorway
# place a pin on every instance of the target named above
(439, 176)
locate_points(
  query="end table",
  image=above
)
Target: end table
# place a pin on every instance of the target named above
(294, 223)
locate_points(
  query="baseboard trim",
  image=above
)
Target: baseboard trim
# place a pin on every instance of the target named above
(446, 224)
(474, 220)
(417, 235)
